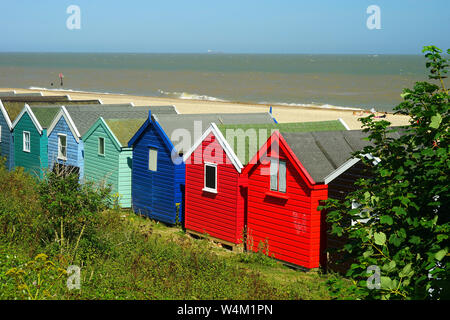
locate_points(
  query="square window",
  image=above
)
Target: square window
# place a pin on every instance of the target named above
(101, 146)
(26, 141)
(152, 159)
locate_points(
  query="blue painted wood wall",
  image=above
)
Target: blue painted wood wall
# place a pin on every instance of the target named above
(156, 194)
(74, 149)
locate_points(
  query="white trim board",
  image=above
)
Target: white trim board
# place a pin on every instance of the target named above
(344, 167)
(28, 110)
(223, 143)
(6, 116)
(347, 165)
(64, 113)
(112, 133)
(344, 124)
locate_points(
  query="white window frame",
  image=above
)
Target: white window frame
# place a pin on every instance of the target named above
(277, 161)
(60, 156)
(207, 189)
(24, 134)
(150, 149)
(104, 146)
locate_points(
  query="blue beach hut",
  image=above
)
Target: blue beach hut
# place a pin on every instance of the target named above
(65, 143)
(158, 172)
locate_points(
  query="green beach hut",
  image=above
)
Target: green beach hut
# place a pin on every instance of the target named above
(107, 158)
(30, 138)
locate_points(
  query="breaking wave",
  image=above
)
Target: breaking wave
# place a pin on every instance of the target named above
(189, 96)
(75, 91)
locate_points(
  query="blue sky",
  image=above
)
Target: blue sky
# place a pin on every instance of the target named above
(231, 26)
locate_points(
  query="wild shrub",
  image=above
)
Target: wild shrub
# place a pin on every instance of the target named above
(20, 211)
(71, 209)
(401, 227)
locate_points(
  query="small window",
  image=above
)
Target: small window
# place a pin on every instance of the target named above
(152, 159)
(101, 146)
(62, 146)
(278, 175)
(210, 177)
(26, 141)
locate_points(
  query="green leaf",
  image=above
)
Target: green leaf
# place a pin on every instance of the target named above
(396, 241)
(399, 210)
(386, 220)
(414, 240)
(380, 238)
(388, 267)
(387, 283)
(407, 271)
(440, 254)
(405, 95)
(436, 121)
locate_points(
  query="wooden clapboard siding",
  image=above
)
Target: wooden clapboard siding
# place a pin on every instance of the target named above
(285, 225)
(73, 147)
(36, 160)
(153, 192)
(6, 143)
(124, 183)
(219, 215)
(101, 168)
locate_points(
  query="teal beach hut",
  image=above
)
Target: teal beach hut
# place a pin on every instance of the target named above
(30, 138)
(108, 159)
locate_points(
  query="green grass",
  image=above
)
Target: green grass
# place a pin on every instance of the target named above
(126, 256)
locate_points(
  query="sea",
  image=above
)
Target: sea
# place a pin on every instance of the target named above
(340, 81)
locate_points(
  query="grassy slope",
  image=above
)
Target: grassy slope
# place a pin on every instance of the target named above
(125, 256)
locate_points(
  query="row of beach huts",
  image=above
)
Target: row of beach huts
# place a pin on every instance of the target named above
(243, 179)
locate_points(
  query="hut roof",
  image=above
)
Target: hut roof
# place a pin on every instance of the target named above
(124, 129)
(15, 107)
(321, 153)
(239, 140)
(190, 122)
(45, 116)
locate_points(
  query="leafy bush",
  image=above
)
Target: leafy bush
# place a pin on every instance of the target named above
(70, 207)
(19, 206)
(402, 225)
(37, 279)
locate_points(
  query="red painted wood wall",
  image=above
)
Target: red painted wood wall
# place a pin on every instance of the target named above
(289, 223)
(220, 215)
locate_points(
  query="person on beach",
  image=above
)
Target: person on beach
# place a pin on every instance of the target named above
(61, 76)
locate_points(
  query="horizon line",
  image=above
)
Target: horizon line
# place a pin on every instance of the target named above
(209, 53)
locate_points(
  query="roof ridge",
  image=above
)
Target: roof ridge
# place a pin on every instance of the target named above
(321, 148)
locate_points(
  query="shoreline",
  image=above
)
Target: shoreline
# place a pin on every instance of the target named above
(283, 113)
(278, 105)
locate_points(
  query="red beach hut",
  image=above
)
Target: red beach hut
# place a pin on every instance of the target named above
(217, 184)
(282, 205)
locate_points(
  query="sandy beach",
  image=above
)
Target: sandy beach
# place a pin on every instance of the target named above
(281, 113)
